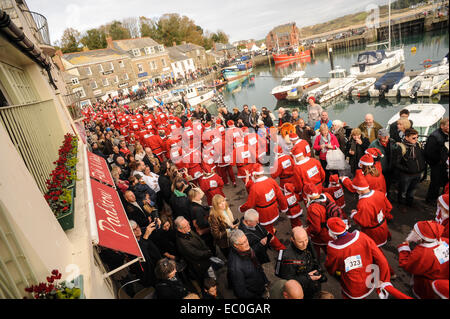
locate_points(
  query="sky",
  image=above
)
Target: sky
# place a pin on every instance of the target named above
(239, 19)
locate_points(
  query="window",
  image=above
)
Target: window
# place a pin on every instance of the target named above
(105, 82)
(163, 62)
(111, 66)
(100, 68)
(88, 71)
(116, 79)
(147, 50)
(125, 76)
(136, 52)
(121, 64)
(80, 92)
(75, 81)
(152, 65)
(160, 48)
(94, 85)
(140, 68)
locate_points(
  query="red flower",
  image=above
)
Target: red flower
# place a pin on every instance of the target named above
(50, 279)
(55, 272)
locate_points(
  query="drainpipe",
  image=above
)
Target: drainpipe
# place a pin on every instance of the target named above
(18, 38)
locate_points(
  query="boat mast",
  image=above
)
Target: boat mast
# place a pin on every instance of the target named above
(389, 25)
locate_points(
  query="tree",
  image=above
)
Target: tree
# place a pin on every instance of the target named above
(132, 25)
(70, 41)
(220, 37)
(149, 28)
(94, 39)
(117, 31)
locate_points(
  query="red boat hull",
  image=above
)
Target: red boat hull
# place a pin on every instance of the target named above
(280, 95)
(280, 58)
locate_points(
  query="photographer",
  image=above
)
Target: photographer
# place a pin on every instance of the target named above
(179, 202)
(298, 262)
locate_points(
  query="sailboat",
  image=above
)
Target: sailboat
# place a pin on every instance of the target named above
(378, 61)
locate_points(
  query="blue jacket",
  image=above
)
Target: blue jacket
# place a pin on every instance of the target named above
(318, 123)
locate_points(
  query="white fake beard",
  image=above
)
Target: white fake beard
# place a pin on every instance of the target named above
(413, 237)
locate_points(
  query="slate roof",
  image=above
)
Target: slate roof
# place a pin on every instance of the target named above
(138, 43)
(176, 55)
(92, 56)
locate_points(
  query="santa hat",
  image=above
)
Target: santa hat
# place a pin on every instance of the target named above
(289, 187)
(360, 182)
(188, 123)
(312, 98)
(334, 179)
(374, 152)
(366, 160)
(443, 200)
(336, 226)
(218, 121)
(429, 230)
(297, 150)
(293, 137)
(258, 169)
(207, 126)
(310, 190)
(230, 123)
(206, 168)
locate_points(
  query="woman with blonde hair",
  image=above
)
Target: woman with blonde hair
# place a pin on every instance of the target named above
(356, 146)
(139, 152)
(402, 125)
(221, 222)
(121, 184)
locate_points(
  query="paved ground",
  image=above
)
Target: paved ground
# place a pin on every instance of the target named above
(400, 226)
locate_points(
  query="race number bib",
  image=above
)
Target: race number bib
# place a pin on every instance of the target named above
(239, 144)
(380, 217)
(213, 184)
(441, 253)
(216, 140)
(339, 193)
(189, 133)
(252, 141)
(352, 262)
(221, 129)
(197, 174)
(236, 134)
(199, 127)
(227, 158)
(173, 127)
(292, 200)
(270, 195)
(312, 171)
(174, 154)
(245, 154)
(307, 149)
(286, 164)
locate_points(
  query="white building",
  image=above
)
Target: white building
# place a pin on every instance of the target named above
(180, 63)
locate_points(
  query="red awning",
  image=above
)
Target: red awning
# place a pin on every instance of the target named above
(98, 168)
(114, 230)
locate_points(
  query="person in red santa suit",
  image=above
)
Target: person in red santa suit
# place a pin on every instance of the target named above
(208, 156)
(306, 170)
(224, 146)
(428, 261)
(373, 175)
(440, 288)
(156, 144)
(317, 216)
(295, 140)
(211, 184)
(294, 209)
(283, 167)
(336, 191)
(266, 197)
(442, 213)
(233, 134)
(372, 211)
(243, 158)
(352, 257)
(377, 156)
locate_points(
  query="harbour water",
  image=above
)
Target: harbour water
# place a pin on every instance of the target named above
(255, 90)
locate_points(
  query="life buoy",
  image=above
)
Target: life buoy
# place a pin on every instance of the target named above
(427, 65)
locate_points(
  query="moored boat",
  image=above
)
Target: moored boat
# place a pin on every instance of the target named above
(389, 84)
(293, 83)
(361, 88)
(236, 71)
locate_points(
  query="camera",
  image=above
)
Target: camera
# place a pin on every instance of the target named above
(323, 277)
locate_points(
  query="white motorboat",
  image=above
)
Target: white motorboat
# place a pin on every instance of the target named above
(377, 61)
(292, 83)
(337, 85)
(425, 118)
(424, 85)
(441, 68)
(198, 95)
(389, 84)
(361, 88)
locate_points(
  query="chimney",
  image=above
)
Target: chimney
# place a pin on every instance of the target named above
(109, 42)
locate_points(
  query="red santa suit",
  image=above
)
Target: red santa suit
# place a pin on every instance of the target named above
(211, 184)
(302, 144)
(442, 216)
(353, 256)
(428, 261)
(377, 183)
(243, 158)
(284, 165)
(266, 197)
(308, 170)
(225, 169)
(441, 288)
(372, 211)
(156, 144)
(336, 191)
(294, 209)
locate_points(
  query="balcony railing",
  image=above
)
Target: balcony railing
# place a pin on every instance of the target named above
(39, 24)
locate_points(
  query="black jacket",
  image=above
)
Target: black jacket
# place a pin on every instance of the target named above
(247, 279)
(196, 253)
(305, 134)
(267, 121)
(165, 240)
(285, 119)
(108, 148)
(435, 151)
(170, 289)
(146, 270)
(165, 187)
(245, 118)
(180, 206)
(254, 237)
(140, 216)
(296, 264)
(394, 132)
(200, 214)
(359, 151)
(235, 117)
(140, 190)
(413, 161)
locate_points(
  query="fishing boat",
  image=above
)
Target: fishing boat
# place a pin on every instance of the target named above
(361, 88)
(389, 84)
(425, 117)
(337, 85)
(423, 85)
(198, 94)
(293, 83)
(237, 70)
(291, 55)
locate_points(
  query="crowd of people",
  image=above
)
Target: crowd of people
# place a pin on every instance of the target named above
(172, 163)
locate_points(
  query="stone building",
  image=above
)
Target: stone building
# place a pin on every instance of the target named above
(195, 52)
(283, 36)
(180, 63)
(228, 51)
(149, 59)
(96, 74)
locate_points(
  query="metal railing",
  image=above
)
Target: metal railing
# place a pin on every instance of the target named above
(36, 132)
(39, 24)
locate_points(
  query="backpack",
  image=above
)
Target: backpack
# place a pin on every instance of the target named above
(332, 210)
